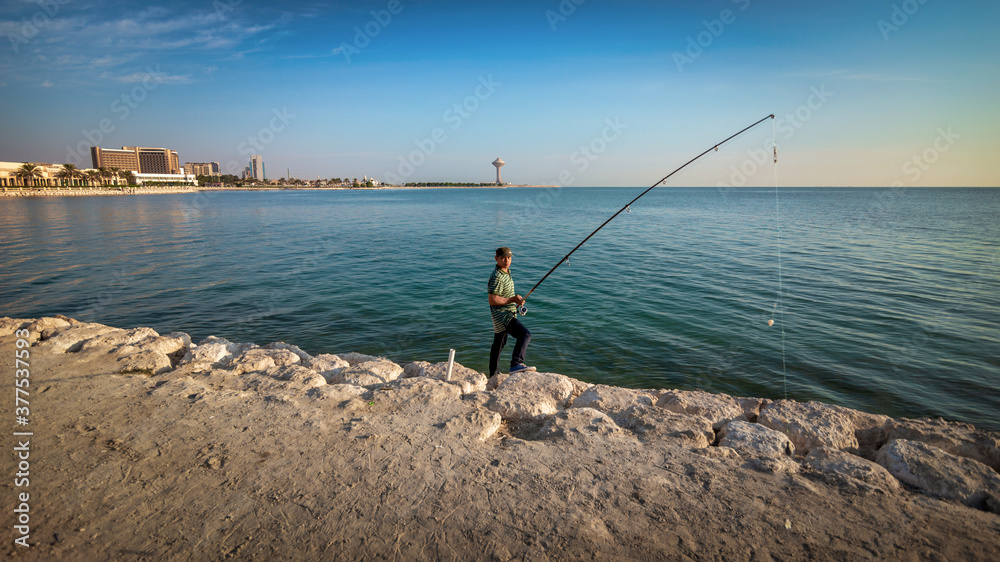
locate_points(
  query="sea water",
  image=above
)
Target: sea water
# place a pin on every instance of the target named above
(883, 300)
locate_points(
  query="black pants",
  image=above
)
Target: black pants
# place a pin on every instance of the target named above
(521, 335)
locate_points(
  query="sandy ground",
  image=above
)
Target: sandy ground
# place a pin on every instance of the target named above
(138, 467)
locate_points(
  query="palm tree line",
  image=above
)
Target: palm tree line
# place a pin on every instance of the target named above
(29, 174)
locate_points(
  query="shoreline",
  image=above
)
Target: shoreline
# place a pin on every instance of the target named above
(67, 192)
(227, 449)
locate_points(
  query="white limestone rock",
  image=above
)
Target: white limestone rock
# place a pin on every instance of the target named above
(298, 374)
(763, 449)
(46, 327)
(327, 365)
(421, 394)
(869, 429)
(496, 380)
(368, 373)
(174, 343)
(652, 424)
(144, 361)
(214, 352)
(260, 359)
(720, 409)
(810, 425)
(71, 338)
(9, 326)
(354, 358)
(752, 440)
(467, 379)
(118, 338)
(304, 357)
(414, 369)
(579, 387)
(579, 423)
(942, 474)
(531, 395)
(752, 407)
(959, 439)
(613, 400)
(843, 468)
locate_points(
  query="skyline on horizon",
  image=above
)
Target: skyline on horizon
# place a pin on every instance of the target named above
(570, 92)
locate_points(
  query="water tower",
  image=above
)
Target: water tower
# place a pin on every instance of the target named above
(499, 164)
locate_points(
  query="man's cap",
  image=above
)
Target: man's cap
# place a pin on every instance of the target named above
(504, 251)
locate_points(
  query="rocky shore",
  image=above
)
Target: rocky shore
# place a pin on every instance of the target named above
(150, 446)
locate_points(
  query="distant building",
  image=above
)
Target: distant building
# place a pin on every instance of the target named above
(139, 159)
(111, 158)
(499, 164)
(48, 176)
(257, 167)
(175, 179)
(202, 168)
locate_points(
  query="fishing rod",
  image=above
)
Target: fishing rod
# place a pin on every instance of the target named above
(524, 309)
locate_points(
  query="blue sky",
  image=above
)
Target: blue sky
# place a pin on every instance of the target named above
(584, 92)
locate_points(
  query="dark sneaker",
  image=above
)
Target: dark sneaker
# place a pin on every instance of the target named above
(520, 368)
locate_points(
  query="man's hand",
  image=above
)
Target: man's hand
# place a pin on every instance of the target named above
(517, 299)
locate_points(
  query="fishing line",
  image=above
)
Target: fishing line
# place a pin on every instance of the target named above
(778, 305)
(628, 206)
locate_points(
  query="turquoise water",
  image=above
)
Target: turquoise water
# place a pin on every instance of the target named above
(889, 299)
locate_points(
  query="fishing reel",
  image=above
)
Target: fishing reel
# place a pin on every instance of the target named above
(522, 310)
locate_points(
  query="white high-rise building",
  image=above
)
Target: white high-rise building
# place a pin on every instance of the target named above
(257, 167)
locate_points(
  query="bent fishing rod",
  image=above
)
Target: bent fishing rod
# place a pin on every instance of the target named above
(524, 309)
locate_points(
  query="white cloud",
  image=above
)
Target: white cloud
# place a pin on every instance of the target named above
(47, 84)
(82, 48)
(158, 77)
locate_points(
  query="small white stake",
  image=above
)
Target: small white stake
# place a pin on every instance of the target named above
(451, 363)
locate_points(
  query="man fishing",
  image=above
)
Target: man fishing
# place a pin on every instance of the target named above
(503, 307)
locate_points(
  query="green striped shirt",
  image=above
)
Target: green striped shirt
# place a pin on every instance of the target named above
(501, 284)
